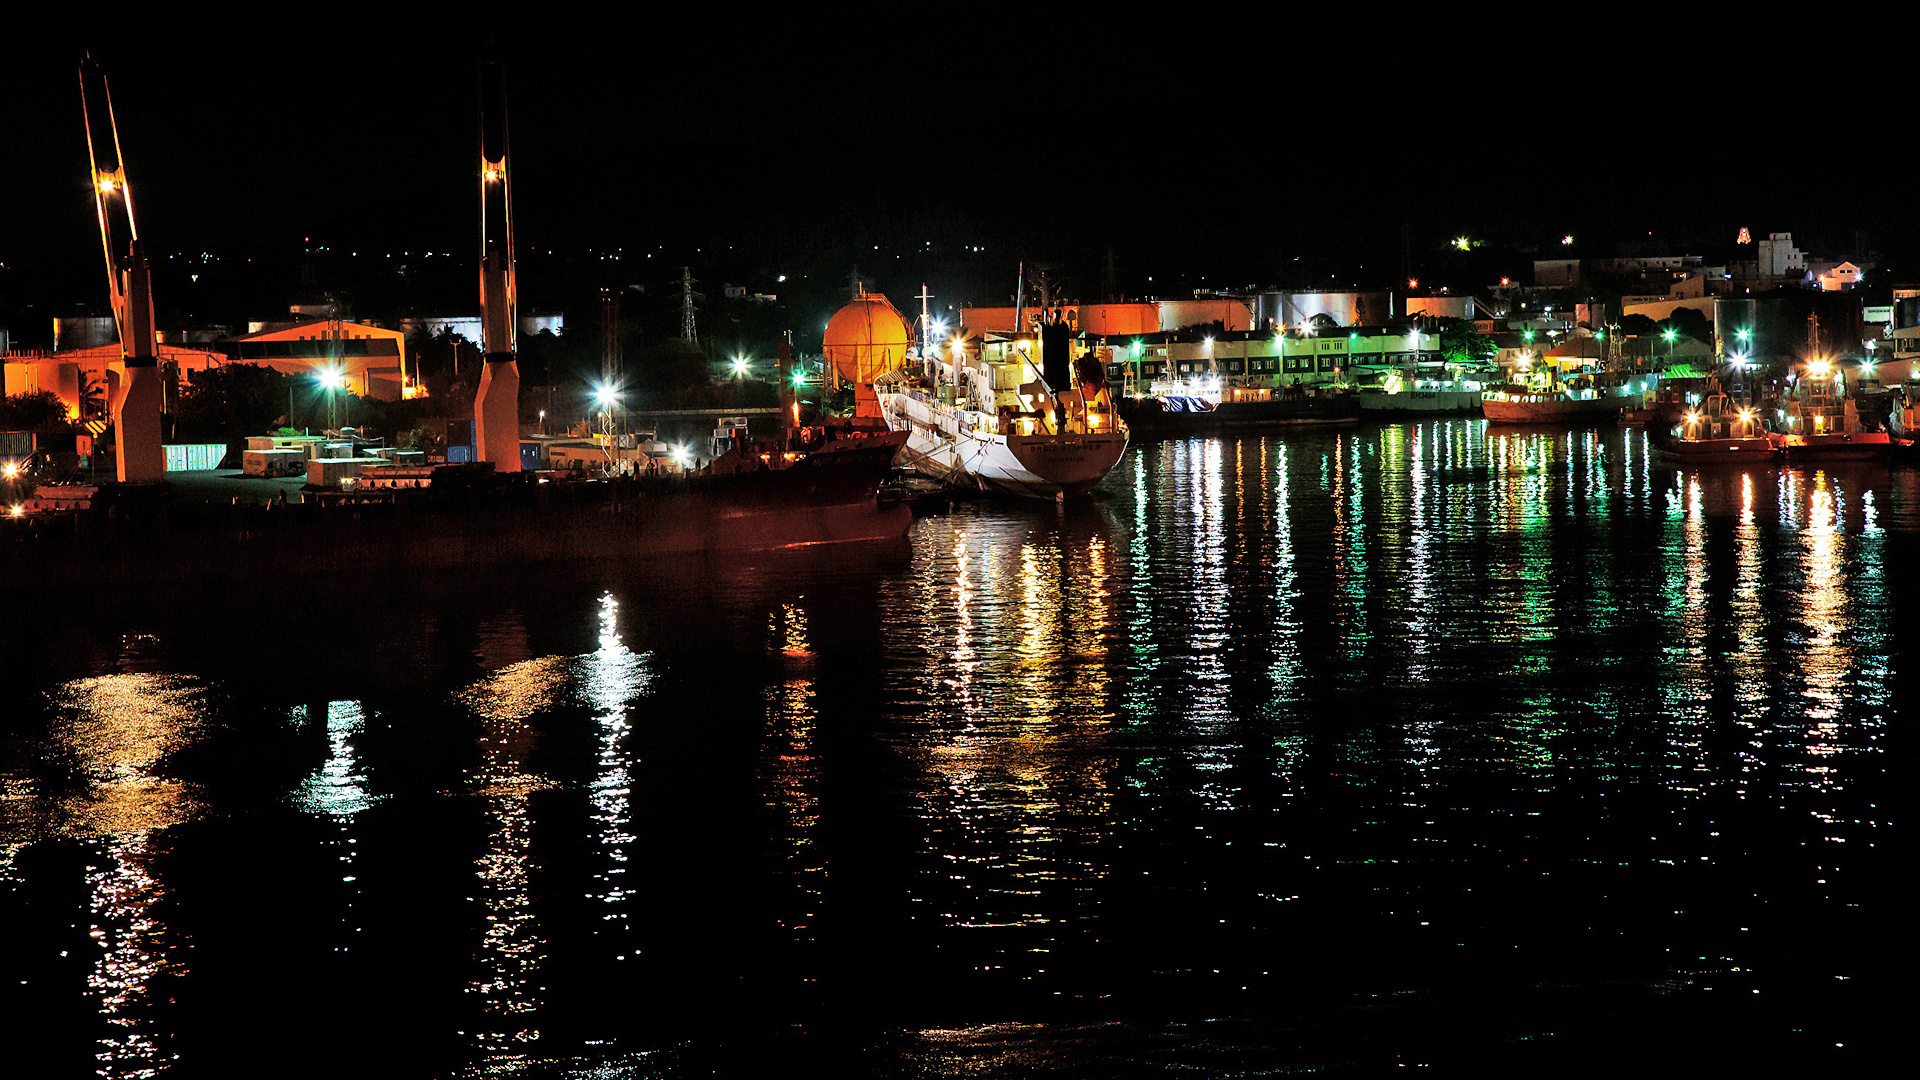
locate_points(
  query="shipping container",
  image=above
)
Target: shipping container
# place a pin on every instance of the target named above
(190, 457)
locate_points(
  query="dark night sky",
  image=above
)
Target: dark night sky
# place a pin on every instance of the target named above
(1192, 154)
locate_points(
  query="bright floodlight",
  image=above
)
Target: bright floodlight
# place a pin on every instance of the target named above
(740, 365)
(605, 396)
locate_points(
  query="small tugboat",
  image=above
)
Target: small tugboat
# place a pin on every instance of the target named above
(1717, 432)
(1821, 422)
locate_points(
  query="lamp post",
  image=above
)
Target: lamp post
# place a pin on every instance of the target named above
(332, 380)
(1741, 360)
(607, 398)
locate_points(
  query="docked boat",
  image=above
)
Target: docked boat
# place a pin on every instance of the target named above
(1419, 402)
(1407, 394)
(1205, 408)
(1588, 399)
(1716, 432)
(1024, 414)
(1820, 422)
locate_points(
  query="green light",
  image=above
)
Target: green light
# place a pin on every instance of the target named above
(799, 377)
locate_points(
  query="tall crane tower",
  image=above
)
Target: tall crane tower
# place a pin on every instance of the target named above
(140, 457)
(496, 408)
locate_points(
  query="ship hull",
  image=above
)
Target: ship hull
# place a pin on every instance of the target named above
(944, 445)
(122, 541)
(1837, 446)
(1754, 450)
(1419, 402)
(1150, 416)
(1553, 408)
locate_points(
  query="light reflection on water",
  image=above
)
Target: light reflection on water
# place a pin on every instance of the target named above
(1427, 710)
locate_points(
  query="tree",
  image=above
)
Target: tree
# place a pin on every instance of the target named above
(1689, 322)
(1638, 325)
(38, 410)
(1461, 343)
(230, 401)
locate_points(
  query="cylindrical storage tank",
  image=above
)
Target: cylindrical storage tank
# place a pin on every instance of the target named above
(84, 332)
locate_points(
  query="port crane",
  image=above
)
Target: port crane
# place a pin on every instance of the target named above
(136, 405)
(496, 408)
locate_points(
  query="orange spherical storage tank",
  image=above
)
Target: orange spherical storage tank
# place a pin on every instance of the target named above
(867, 339)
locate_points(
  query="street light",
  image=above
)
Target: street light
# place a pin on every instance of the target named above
(607, 398)
(331, 379)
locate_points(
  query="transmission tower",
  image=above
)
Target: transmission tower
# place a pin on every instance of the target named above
(687, 332)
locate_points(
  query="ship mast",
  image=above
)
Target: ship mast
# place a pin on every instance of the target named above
(928, 356)
(136, 407)
(496, 408)
(926, 323)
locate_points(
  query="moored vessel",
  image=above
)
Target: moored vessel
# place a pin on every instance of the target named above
(1419, 402)
(1201, 409)
(1716, 432)
(1407, 393)
(1820, 421)
(1022, 414)
(1586, 399)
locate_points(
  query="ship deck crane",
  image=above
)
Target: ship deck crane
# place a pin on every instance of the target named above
(140, 456)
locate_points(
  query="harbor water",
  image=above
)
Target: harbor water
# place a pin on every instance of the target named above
(1425, 744)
